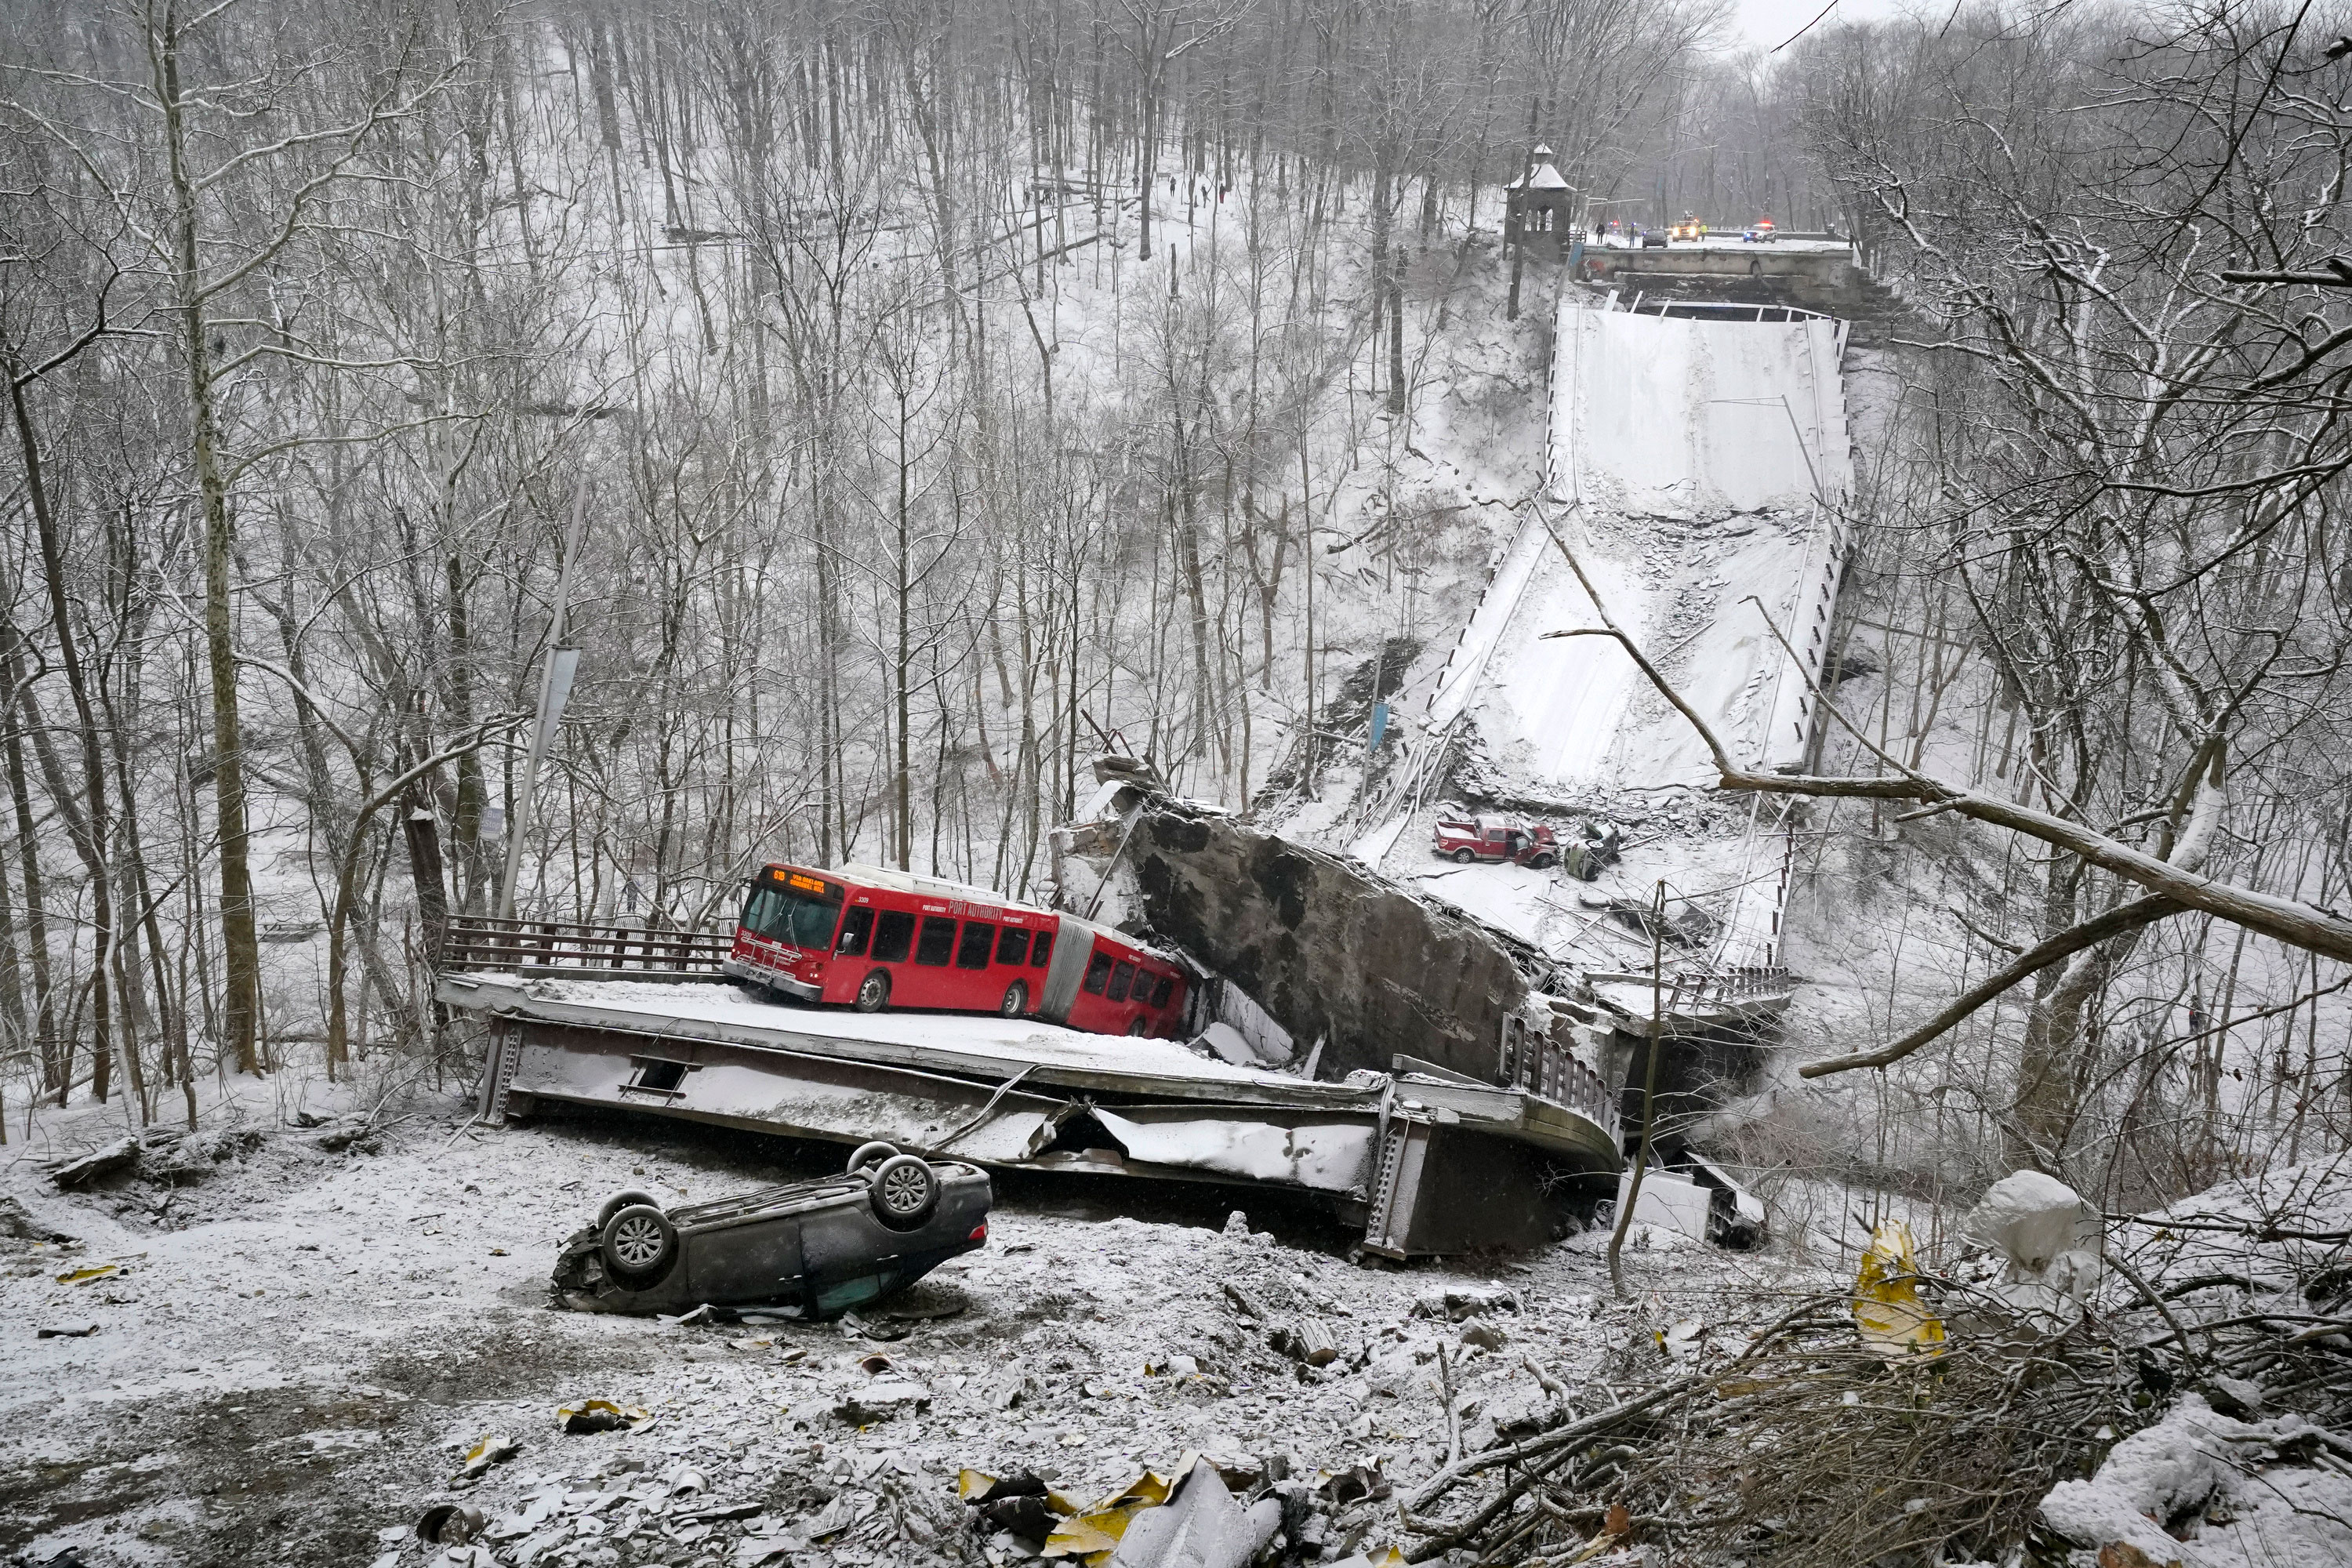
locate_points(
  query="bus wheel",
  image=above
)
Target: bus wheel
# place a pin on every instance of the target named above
(874, 992)
(1136, 1027)
(1017, 1000)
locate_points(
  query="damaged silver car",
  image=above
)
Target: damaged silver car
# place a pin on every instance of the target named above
(811, 1249)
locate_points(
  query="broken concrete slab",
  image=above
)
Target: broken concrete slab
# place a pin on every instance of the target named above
(1671, 1201)
(1199, 1526)
(1460, 1301)
(883, 1399)
(1329, 949)
(1134, 1107)
(17, 1225)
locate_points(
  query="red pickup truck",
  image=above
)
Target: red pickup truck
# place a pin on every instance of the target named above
(1465, 840)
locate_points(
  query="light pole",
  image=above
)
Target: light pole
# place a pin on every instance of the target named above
(554, 690)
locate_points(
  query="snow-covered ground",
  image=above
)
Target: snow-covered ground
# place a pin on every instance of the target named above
(294, 1348)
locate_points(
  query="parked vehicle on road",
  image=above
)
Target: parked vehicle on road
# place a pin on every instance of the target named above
(1653, 239)
(1688, 229)
(811, 1249)
(1760, 232)
(1466, 840)
(865, 937)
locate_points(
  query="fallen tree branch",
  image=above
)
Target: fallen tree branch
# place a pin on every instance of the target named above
(1556, 1448)
(2123, 918)
(1577, 1432)
(2253, 1229)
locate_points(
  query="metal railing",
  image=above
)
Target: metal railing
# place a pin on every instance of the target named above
(1548, 1068)
(481, 942)
(1731, 986)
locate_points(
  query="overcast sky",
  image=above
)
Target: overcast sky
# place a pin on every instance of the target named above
(1770, 22)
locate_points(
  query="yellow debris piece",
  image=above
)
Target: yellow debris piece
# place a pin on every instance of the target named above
(1894, 1322)
(84, 1276)
(971, 1485)
(1149, 1488)
(494, 1449)
(1084, 1536)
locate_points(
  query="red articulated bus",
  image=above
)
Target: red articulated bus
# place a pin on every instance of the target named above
(875, 939)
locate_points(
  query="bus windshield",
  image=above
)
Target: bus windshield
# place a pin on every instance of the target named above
(783, 913)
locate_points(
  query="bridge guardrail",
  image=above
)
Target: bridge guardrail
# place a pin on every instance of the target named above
(574, 951)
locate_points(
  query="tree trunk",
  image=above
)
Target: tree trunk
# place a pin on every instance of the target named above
(85, 815)
(240, 946)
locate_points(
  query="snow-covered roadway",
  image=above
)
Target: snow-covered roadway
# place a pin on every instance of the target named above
(1696, 470)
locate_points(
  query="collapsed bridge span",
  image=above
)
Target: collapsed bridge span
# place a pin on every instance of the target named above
(1419, 1156)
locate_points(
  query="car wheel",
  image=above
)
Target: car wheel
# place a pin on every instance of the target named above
(1017, 1000)
(622, 1199)
(1541, 862)
(903, 1189)
(874, 992)
(1464, 856)
(639, 1245)
(866, 1154)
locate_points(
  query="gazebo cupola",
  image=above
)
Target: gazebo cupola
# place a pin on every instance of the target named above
(1536, 202)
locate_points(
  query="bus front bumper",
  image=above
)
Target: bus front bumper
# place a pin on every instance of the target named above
(759, 975)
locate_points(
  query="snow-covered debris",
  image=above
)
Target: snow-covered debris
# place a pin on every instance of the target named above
(2048, 1238)
(1199, 1526)
(329, 1335)
(2032, 1218)
(103, 1160)
(2206, 1491)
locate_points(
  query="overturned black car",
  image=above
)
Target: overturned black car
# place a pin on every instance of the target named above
(811, 1249)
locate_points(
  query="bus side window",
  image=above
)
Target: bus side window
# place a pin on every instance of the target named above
(892, 936)
(978, 940)
(937, 942)
(1012, 945)
(1159, 989)
(1120, 979)
(1097, 972)
(1042, 951)
(855, 927)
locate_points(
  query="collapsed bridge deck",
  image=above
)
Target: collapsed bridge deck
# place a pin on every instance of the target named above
(1420, 1156)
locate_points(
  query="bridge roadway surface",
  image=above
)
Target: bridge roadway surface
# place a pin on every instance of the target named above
(1697, 467)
